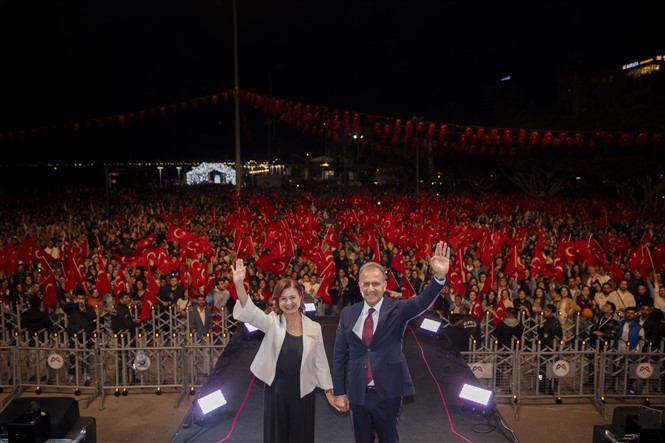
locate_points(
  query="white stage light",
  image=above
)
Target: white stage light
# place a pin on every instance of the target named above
(477, 399)
(430, 325)
(211, 402)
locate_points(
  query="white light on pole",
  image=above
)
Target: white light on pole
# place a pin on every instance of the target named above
(159, 168)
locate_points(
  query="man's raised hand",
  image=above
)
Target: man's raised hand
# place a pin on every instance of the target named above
(440, 261)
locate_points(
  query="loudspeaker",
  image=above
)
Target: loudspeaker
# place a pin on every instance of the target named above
(63, 412)
(620, 418)
(647, 435)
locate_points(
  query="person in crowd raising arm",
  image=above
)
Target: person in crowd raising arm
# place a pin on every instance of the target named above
(291, 360)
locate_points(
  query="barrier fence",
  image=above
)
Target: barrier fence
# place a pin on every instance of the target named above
(570, 369)
(166, 354)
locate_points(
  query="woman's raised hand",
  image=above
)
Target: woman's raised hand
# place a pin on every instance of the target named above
(239, 271)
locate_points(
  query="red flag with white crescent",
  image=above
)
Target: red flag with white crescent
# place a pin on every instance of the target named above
(499, 312)
(477, 309)
(327, 277)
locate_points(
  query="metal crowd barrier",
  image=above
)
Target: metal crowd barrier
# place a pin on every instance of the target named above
(160, 355)
(571, 369)
(164, 354)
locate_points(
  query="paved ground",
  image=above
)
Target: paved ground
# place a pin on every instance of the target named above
(147, 417)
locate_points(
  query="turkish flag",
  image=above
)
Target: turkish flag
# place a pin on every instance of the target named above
(392, 284)
(120, 284)
(73, 273)
(273, 263)
(50, 298)
(408, 291)
(568, 250)
(514, 265)
(131, 260)
(398, 263)
(457, 275)
(323, 259)
(615, 242)
(246, 248)
(331, 237)
(477, 309)
(145, 242)
(376, 253)
(489, 281)
(538, 262)
(639, 260)
(499, 312)
(177, 234)
(658, 256)
(486, 254)
(327, 277)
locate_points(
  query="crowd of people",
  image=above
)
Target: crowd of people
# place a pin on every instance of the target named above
(261, 254)
(395, 231)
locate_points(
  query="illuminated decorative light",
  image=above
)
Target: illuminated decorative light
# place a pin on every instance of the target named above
(201, 174)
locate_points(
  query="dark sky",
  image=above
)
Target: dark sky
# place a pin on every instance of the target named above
(66, 62)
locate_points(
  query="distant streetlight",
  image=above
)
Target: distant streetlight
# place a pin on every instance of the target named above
(178, 168)
(307, 166)
(159, 168)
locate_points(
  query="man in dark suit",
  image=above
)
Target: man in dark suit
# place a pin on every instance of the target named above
(200, 319)
(370, 372)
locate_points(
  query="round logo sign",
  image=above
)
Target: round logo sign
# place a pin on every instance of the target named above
(560, 368)
(643, 370)
(142, 361)
(55, 361)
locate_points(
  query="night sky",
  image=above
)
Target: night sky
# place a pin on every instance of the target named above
(72, 61)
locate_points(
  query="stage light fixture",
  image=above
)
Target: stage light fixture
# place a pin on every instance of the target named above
(252, 332)
(476, 399)
(210, 403)
(431, 326)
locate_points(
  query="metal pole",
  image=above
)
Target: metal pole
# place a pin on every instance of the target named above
(108, 194)
(236, 96)
(417, 171)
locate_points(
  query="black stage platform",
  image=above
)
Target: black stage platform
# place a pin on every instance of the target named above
(434, 414)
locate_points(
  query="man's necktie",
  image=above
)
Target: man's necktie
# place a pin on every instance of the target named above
(368, 332)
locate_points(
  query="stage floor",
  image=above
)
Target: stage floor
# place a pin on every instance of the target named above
(434, 414)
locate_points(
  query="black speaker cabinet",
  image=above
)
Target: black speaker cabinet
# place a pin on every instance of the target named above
(62, 411)
(625, 421)
(620, 418)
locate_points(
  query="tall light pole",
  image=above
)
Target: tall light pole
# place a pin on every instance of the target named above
(236, 96)
(159, 168)
(357, 138)
(307, 166)
(178, 168)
